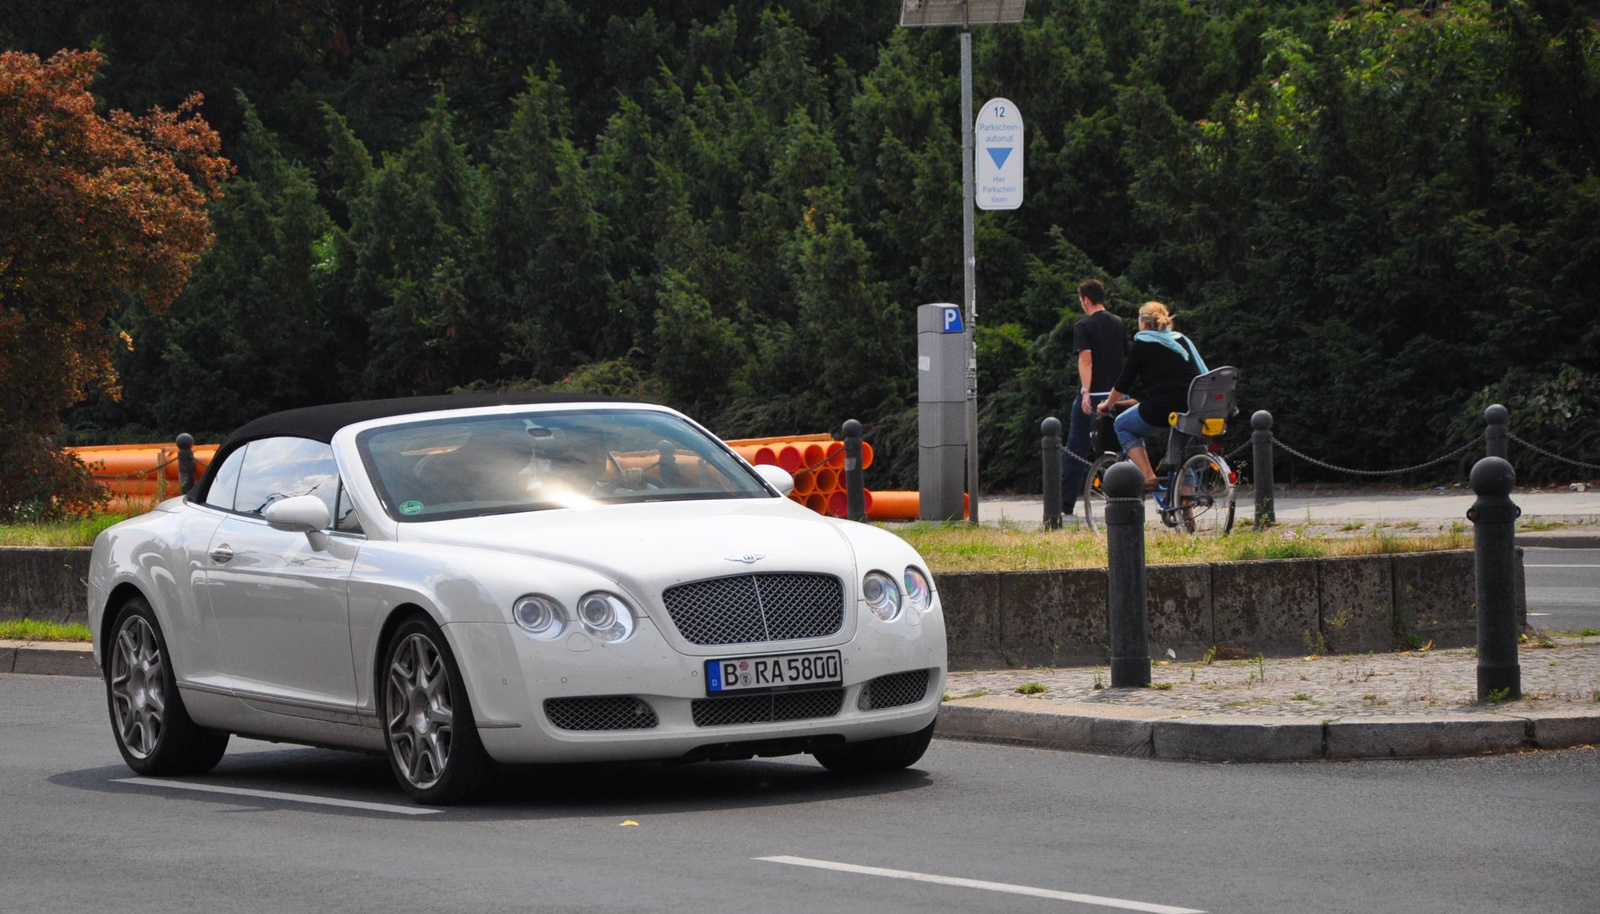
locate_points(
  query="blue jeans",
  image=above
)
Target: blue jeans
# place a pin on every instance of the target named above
(1132, 429)
(1079, 426)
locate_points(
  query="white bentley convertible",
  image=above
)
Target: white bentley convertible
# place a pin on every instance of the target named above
(459, 581)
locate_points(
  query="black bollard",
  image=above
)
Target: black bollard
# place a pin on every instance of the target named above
(1261, 458)
(668, 463)
(1051, 445)
(1126, 592)
(1494, 520)
(185, 463)
(1495, 434)
(855, 492)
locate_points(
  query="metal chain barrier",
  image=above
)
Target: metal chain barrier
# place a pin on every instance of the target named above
(1541, 451)
(1395, 472)
(1237, 451)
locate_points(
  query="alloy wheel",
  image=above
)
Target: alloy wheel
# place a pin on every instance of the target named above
(420, 718)
(138, 687)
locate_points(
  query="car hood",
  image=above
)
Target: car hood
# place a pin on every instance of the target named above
(649, 547)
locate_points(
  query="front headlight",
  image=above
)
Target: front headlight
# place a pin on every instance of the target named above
(606, 616)
(918, 594)
(540, 616)
(882, 595)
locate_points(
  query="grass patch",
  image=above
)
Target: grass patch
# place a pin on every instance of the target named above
(34, 630)
(1032, 688)
(1161, 686)
(79, 532)
(1012, 547)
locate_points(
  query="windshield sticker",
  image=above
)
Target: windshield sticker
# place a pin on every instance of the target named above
(411, 507)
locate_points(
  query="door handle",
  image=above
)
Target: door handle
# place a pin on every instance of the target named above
(222, 554)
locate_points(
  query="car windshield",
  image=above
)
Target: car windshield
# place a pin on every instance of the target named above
(450, 468)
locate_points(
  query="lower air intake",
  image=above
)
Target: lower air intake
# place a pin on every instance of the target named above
(600, 712)
(894, 690)
(766, 709)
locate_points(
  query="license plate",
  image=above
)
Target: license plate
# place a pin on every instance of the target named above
(773, 673)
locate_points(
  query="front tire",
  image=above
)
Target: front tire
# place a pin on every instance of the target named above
(1094, 497)
(153, 730)
(434, 750)
(874, 756)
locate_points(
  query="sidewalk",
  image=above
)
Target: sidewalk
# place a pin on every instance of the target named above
(1355, 511)
(1411, 704)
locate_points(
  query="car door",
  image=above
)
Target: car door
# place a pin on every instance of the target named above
(280, 598)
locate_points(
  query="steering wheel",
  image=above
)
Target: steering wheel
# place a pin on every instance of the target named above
(628, 480)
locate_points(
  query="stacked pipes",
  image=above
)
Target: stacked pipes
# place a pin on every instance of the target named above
(815, 461)
(817, 464)
(138, 476)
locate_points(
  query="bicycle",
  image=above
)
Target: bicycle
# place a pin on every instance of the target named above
(1196, 487)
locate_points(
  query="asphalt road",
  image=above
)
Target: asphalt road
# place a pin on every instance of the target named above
(1037, 830)
(1563, 589)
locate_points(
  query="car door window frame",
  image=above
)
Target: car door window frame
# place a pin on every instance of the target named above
(233, 509)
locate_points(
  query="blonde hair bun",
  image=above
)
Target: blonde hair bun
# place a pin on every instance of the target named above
(1155, 314)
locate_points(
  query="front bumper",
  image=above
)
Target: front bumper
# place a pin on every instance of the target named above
(510, 676)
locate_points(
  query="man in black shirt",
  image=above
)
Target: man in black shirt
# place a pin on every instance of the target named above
(1100, 341)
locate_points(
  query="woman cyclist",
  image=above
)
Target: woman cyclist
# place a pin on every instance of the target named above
(1162, 362)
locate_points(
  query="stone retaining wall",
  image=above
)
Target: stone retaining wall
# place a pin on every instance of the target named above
(51, 585)
(995, 619)
(1280, 607)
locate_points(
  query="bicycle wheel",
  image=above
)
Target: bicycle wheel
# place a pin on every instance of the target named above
(1094, 498)
(1203, 504)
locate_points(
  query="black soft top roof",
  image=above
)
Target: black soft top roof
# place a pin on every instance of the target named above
(321, 422)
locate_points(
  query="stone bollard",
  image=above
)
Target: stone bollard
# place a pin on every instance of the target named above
(185, 463)
(1126, 586)
(1495, 434)
(1261, 458)
(1494, 520)
(1051, 447)
(855, 491)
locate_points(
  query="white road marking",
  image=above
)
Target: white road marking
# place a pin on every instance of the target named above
(980, 884)
(276, 795)
(1525, 565)
(1538, 614)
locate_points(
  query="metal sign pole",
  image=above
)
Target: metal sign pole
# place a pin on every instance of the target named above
(970, 262)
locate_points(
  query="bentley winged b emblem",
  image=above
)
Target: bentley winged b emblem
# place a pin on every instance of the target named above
(749, 558)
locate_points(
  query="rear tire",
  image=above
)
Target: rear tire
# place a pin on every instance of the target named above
(1204, 503)
(1094, 497)
(873, 756)
(428, 728)
(153, 729)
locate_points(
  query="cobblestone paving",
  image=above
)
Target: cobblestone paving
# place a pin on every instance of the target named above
(1562, 677)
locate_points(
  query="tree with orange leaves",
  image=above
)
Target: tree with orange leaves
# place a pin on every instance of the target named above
(94, 210)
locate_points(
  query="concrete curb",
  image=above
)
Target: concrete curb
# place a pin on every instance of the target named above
(1180, 736)
(1556, 539)
(48, 658)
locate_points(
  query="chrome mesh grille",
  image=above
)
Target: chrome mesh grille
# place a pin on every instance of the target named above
(757, 607)
(762, 709)
(894, 690)
(600, 712)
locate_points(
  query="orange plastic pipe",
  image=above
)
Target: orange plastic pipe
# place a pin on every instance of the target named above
(789, 457)
(779, 439)
(805, 484)
(813, 454)
(817, 503)
(836, 455)
(866, 455)
(827, 480)
(899, 505)
(839, 504)
(765, 456)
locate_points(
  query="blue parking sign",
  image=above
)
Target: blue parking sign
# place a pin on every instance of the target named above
(952, 321)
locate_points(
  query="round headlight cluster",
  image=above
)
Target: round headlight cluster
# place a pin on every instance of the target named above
(919, 596)
(606, 616)
(882, 595)
(540, 616)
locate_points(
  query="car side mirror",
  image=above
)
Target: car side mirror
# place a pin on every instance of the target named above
(777, 477)
(306, 514)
